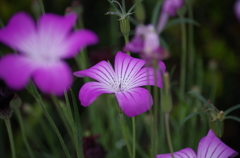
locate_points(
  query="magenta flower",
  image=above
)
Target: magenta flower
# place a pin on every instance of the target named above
(169, 8)
(146, 42)
(237, 9)
(124, 81)
(209, 146)
(41, 48)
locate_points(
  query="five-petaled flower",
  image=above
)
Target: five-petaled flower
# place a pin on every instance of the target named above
(124, 81)
(209, 146)
(42, 48)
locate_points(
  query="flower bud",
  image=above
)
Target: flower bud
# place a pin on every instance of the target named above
(125, 26)
(171, 6)
(6, 96)
(139, 11)
(166, 98)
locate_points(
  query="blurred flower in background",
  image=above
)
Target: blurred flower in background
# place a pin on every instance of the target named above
(237, 9)
(146, 42)
(41, 49)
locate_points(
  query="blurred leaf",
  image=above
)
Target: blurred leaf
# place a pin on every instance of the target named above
(78, 126)
(200, 98)
(231, 109)
(188, 117)
(155, 13)
(232, 118)
(181, 20)
(219, 127)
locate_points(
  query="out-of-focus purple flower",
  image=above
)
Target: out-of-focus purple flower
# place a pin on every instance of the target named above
(124, 81)
(237, 9)
(209, 146)
(169, 8)
(41, 48)
(146, 42)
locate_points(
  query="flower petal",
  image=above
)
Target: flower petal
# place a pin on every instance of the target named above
(134, 101)
(212, 147)
(53, 33)
(78, 40)
(184, 153)
(126, 68)
(19, 32)
(90, 91)
(135, 45)
(54, 78)
(146, 76)
(102, 72)
(16, 70)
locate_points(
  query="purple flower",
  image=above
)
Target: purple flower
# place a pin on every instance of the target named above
(41, 48)
(124, 81)
(146, 42)
(209, 146)
(237, 9)
(169, 8)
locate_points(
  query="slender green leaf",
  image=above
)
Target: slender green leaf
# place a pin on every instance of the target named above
(181, 20)
(130, 10)
(77, 125)
(232, 118)
(200, 98)
(219, 127)
(123, 6)
(188, 117)
(231, 109)
(155, 13)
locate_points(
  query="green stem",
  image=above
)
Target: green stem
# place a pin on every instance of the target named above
(9, 129)
(168, 134)
(191, 54)
(156, 103)
(55, 129)
(23, 132)
(39, 99)
(124, 133)
(41, 6)
(126, 38)
(183, 61)
(134, 137)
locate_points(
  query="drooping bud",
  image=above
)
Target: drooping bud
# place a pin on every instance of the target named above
(171, 6)
(92, 149)
(6, 96)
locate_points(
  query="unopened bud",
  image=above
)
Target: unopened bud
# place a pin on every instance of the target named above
(139, 11)
(6, 96)
(166, 98)
(125, 26)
